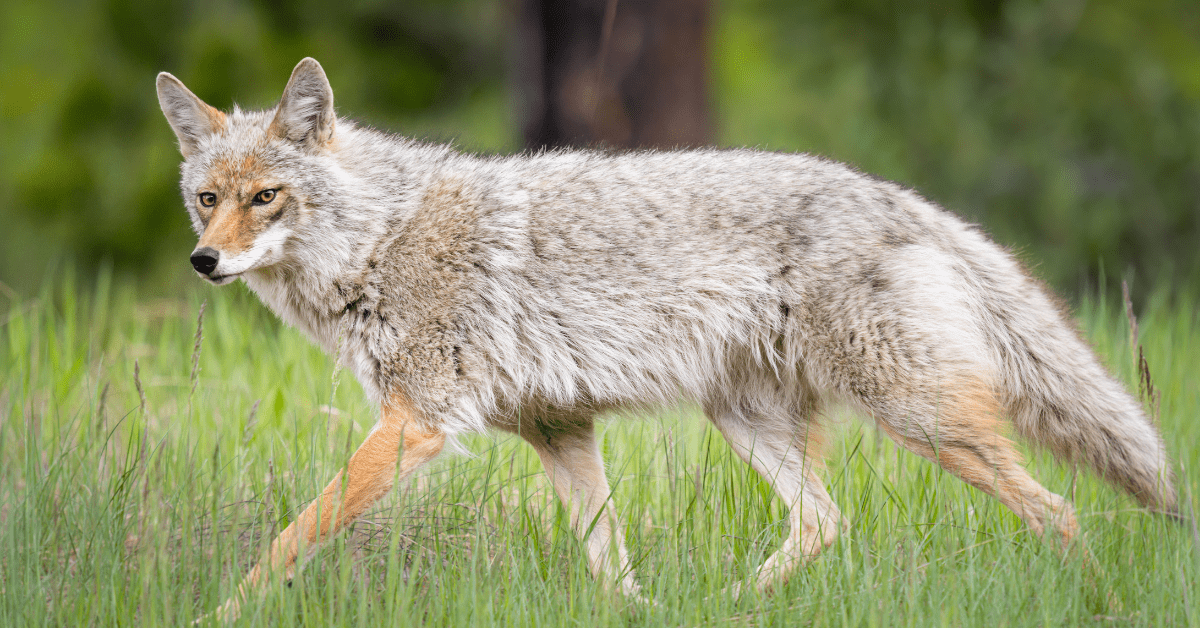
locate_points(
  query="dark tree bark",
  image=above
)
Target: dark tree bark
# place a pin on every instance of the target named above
(617, 73)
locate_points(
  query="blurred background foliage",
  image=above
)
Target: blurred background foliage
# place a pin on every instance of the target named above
(1069, 129)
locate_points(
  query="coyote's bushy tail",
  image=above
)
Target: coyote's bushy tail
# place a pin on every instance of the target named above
(1060, 397)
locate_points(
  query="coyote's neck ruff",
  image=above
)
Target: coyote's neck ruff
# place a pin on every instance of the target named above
(527, 292)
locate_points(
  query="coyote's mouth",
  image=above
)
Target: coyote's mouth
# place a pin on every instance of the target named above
(220, 280)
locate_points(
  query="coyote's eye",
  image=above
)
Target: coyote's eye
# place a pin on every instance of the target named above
(264, 197)
(208, 199)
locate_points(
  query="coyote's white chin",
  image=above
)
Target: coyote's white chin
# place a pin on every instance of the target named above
(221, 280)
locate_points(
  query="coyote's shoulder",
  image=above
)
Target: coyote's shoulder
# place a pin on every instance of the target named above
(528, 292)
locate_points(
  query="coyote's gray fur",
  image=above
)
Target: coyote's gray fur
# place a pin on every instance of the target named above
(527, 293)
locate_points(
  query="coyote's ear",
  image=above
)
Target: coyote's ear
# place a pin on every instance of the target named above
(191, 119)
(305, 113)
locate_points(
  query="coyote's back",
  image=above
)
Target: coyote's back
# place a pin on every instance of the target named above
(527, 293)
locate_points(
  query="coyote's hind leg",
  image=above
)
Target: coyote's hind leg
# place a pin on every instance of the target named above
(958, 428)
(774, 437)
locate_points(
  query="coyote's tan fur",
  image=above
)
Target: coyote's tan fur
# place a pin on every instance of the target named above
(529, 293)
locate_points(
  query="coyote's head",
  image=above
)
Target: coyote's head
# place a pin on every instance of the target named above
(250, 178)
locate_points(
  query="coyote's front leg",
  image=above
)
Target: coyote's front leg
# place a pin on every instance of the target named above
(367, 477)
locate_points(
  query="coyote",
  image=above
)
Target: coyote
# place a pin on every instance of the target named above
(529, 293)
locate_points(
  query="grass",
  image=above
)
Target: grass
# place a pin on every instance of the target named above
(142, 470)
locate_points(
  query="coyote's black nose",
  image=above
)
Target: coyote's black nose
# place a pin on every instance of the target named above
(205, 260)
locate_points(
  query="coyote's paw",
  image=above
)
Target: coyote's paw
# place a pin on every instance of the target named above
(640, 601)
(224, 614)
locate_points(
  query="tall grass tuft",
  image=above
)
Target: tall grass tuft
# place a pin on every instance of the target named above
(141, 476)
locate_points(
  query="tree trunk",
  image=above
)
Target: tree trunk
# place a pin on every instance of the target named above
(615, 73)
